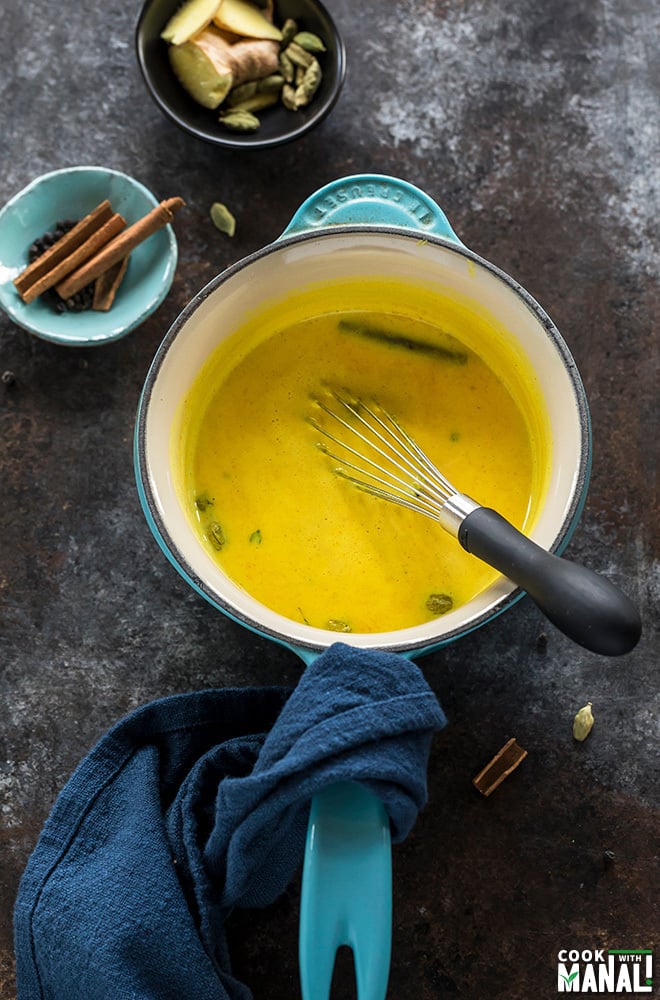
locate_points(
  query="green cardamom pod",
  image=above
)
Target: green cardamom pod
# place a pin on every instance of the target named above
(289, 99)
(241, 93)
(337, 625)
(257, 103)
(308, 41)
(223, 220)
(583, 723)
(202, 501)
(309, 84)
(270, 83)
(287, 68)
(289, 30)
(439, 604)
(298, 55)
(216, 535)
(240, 121)
(245, 92)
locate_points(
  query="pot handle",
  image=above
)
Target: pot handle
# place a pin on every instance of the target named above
(371, 200)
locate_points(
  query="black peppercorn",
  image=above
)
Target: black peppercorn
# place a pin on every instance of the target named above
(83, 299)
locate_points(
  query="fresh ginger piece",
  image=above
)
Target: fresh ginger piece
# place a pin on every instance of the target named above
(245, 19)
(228, 36)
(189, 20)
(254, 59)
(204, 68)
(208, 67)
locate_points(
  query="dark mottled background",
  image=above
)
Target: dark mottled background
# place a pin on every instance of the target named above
(535, 127)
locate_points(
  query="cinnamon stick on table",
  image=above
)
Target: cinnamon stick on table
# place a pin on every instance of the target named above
(503, 763)
(119, 247)
(75, 237)
(98, 239)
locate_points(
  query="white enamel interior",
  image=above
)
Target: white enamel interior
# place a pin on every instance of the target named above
(334, 255)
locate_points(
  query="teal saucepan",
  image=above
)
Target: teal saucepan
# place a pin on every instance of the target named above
(367, 226)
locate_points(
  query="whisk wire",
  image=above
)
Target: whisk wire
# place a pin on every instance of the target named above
(406, 498)
(418, 462)
(416, 484)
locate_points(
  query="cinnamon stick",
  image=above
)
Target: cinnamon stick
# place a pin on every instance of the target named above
(64, 246)
(120, 246)
(89, 248)
(106, 285)
(503, 763)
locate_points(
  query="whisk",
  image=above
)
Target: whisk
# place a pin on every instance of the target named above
(377, 455)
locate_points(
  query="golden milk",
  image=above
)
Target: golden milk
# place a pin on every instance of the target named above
(266, 501)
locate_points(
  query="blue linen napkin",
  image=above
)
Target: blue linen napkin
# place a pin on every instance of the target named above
(196, 804)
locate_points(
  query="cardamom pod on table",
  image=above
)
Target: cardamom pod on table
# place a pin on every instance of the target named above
(583, 723)
(223, 220)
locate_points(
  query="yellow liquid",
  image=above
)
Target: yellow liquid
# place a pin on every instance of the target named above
(267, 503)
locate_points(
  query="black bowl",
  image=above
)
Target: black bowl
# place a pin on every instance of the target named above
(278, 125)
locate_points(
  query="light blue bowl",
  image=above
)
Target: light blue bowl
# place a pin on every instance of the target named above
(70, 194)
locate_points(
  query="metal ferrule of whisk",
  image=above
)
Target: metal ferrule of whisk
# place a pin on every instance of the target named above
(389, 464)
(454, 511)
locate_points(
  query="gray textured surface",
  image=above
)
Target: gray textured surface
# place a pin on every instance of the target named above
(535, 126)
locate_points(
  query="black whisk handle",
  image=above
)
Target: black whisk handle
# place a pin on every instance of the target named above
(583, 605)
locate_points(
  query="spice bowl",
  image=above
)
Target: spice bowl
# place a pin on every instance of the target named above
(278, 125)
(70, 194)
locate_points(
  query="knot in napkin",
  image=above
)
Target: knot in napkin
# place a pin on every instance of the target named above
(198, 803)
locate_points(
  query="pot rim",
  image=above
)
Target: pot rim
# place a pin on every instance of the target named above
(302, 644)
